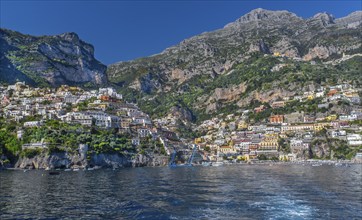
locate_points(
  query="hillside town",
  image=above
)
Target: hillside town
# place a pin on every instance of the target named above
(324, 123)
(333, 132)
(103, 109)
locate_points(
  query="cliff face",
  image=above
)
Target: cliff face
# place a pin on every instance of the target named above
(214, 53)
(63, 160)
(48, 60)
(208, 71)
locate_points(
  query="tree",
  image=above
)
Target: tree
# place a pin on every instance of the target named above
(262, 157)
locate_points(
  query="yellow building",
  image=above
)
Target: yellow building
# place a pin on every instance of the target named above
(199, 140)
(270, 142)
(331, 117)
(320, 126)
(242, 125)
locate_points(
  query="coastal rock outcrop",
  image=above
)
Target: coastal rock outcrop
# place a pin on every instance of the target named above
(64, 160)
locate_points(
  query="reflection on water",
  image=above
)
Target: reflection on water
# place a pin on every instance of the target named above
(232, 192)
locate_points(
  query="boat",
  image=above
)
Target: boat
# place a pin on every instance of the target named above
(68, 170)
(316, 165)
(76, 169)
(217, 164)
(206, 164)
(90, 168)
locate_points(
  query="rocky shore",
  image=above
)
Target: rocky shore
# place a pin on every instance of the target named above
(115, 161)
(65, 161)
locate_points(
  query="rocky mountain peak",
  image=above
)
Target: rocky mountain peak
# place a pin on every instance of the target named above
(261, 14)
(350, 21)
(70, 36)
(325, 18)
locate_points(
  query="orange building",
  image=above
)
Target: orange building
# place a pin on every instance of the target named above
(332, 92)
(105, 98)
(276, 119)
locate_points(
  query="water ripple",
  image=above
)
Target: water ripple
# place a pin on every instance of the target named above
(235, 192)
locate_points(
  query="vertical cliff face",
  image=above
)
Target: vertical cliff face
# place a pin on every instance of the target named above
(48, 60)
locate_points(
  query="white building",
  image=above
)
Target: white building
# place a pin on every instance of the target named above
(40, 145)
(32, 124)
(354, 139)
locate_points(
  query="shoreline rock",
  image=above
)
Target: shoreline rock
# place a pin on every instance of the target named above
(66, 161)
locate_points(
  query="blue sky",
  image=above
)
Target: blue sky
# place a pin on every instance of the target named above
(125, 30)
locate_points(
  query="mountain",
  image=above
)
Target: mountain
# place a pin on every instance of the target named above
(48, 60)
(262, 56)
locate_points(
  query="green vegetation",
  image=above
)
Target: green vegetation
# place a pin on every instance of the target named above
(69, 136)
(343, 151)
(30, 153)
(9, 144)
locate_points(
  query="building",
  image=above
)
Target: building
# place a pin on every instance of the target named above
(125, 122)
(354, 139)
(227, 150)
(70, 99)
(299, 127)
(135, 141)
(78, 117)
(40, 145)
(259, 109)
(269, 143)
(276, 119)
(142, 133)
(29, 124)
(278, 104)
(338, 134)
(358, 157)
(332, 92)
(19, 134)
(104, 120)
(298, 144)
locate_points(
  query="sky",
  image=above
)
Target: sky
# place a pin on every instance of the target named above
(125, 30)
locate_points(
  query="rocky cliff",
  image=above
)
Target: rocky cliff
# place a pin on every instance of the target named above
(48, 60)
(261, 52)
(216, 52)
(64, 160)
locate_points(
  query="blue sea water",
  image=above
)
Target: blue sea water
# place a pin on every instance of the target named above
(227, 192)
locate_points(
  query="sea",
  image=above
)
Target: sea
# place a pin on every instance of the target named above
(226, 192)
